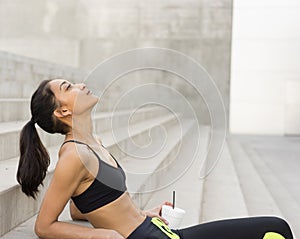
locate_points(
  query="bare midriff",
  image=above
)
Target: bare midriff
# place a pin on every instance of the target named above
(121, 215)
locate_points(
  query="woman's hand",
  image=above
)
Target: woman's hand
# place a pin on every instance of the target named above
(156, 212)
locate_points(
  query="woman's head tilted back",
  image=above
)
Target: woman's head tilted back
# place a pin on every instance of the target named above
(53, 109)
(34, 158)
(43, 104)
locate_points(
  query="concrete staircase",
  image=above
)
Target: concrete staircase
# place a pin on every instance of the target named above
(238, 186)
(17, 207)
(19, 76)
(268, 168)
(169, 140)
(249, 179)
(256, 175)
(222, 197)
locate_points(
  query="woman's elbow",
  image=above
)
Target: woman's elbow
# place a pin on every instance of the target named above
(39, 229)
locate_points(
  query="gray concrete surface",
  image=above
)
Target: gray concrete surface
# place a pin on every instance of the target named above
(188, 185)
(16, 207)
(255, 176)
(222, 195)
(84, 33)
(276, 160)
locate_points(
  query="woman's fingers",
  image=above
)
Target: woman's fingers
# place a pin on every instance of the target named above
(164, 203)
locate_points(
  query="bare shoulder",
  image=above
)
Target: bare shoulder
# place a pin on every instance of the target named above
(77, 158)
(68, 152)
(70, 157)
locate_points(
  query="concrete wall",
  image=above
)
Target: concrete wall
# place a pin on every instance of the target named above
(265, 83)
(200, 29)
(20, 76)
(31, 28)
(83, 33)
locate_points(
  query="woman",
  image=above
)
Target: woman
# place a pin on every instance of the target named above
(90, 175)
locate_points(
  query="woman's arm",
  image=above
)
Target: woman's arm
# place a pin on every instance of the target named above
(67, 176)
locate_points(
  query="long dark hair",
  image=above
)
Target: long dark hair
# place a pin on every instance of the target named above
(34, 157)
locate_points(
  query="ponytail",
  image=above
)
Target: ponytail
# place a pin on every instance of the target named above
(34, 160)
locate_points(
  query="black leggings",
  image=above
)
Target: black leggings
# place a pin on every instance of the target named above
(244, 228)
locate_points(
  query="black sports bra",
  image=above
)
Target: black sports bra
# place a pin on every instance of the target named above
(108, 185)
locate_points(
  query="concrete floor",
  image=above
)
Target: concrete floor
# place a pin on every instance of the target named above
(277, 160)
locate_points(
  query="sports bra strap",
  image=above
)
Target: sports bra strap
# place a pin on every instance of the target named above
(78, 142)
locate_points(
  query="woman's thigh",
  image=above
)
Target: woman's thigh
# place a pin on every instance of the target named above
(242, 228)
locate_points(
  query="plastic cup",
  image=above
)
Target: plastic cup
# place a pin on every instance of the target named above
(173, 216)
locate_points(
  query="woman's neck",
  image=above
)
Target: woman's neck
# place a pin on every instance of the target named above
(82, 130)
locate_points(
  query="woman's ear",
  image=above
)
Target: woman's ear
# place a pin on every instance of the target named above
(62, 112)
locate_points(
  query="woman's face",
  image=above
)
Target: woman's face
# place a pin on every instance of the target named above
(73, 98)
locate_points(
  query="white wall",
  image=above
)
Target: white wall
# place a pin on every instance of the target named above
(265, 68)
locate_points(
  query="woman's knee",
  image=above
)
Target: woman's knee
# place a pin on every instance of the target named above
(281, 226)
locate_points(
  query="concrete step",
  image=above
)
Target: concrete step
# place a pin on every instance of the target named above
(15, 206)
(261, 202)
(146, 167)
(23, 208)
(189, 185)
(276, 160)
(8, 167)
(222, 196)
(126, 117)
(17, 210)
(14, 109)
(26, 229)
(18, 109)
(129, 138)
(104, 121)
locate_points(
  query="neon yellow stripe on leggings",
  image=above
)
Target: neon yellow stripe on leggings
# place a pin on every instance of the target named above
(273, 235)
(164, 228)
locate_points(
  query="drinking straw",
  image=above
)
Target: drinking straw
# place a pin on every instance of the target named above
(173, 199)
